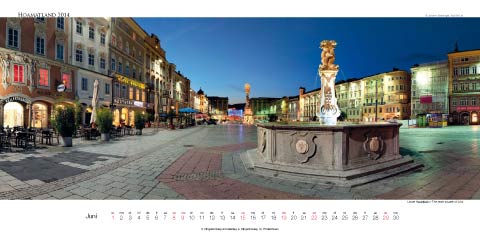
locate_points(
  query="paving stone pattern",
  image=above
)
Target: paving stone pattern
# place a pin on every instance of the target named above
(203, 163)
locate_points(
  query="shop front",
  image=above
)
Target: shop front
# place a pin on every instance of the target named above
(466, 115)
(129, 99)
(21, 110)
(40, 114)
(15, 111)
(30, 89)
(125, 110)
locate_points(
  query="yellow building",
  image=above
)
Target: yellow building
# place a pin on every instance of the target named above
(386, 96)
(202, 102)
(127, 57)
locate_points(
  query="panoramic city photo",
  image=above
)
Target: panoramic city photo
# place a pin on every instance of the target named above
(239, 108)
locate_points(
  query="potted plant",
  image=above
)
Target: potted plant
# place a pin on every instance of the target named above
(104, 121)
(139, 122)
(64, 123)
(78, 117)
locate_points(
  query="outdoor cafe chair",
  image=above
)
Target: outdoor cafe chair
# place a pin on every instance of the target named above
(47, 135)
(5, 142)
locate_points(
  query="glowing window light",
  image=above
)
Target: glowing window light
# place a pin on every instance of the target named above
(423, 77)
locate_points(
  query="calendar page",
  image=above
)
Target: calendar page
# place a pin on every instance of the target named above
(239, 115)
(240, 215)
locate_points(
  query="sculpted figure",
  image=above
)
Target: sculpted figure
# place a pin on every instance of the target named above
(29, 68)
(5, 64)
(328, 55)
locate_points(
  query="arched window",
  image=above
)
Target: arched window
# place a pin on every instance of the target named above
(13, 114)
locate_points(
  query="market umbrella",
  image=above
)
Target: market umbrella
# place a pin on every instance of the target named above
(94, 102)
(187, 110)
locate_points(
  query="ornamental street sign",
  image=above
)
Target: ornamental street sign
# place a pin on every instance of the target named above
(61, 88)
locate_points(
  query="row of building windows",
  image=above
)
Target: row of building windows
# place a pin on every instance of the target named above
(84, 86)
(60, 22)
(464, 102)
(132, 94)
(397, 87)
(114, 66)
(466, 86)
(90, 60)
(397, 78)
(126, 49)
(430, 106)
(13, 37)
(91, 32)
(462, 71)
(438, 81)
(43, 77)
(388, 110)
(353, 112)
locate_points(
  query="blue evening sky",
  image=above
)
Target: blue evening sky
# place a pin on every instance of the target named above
(278, 55)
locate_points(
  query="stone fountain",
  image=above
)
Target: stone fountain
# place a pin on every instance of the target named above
(326, 152)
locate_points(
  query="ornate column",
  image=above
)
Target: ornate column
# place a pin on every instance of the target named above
(30, 114)
(327, 71)
(248, 115)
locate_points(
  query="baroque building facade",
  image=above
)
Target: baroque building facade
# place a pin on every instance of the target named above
(33, 63)
(89, 52)
(37, 55)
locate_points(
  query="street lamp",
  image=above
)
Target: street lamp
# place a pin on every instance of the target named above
(172, 108)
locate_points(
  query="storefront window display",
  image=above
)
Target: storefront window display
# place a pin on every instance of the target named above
(13, 114)
(40, 115)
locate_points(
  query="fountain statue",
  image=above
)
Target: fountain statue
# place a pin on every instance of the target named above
(327, 71)
(326, 152)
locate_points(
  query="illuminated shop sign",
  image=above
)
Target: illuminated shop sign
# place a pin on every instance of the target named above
(17, 99)
(128, 102)
(468, 108)
(138, 103)
(131, 82)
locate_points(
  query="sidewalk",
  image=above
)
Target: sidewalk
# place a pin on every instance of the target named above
(203, 163)
(40, 170)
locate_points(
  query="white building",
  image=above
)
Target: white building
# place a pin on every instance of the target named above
(430, 88)
(89, 51)
(84, 83)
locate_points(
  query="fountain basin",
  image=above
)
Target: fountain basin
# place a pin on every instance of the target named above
(343, 154)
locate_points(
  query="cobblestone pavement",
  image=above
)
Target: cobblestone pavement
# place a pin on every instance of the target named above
(203, 163)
